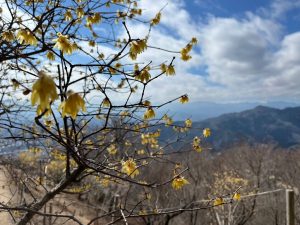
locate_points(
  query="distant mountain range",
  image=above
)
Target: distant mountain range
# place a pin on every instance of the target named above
(203, 110)
(262, 124)
(259, 125)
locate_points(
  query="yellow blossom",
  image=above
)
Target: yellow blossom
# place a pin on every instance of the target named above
(197, 148)
(188, 123)
(63, 43)
(72, 105)
(218, 201)
(118, 66)
(137, 47)
(105, 181)
(206, 132)
(147, 103)
(156, 19)
(112, 150)
(163, 68)
(48, 123)
(144, 75)
(129, 167)
(196, 144)
(106, 102)
(8, 36)
(43, 92)
(26, 37)
(179, 182)
(149, 113)
(141, 152)
(184, 99)
(194, 41)
(92, 43)
(236, 196)
(167, 120)
(185, 51)
(80, 12)
(169, 70)
(185, 57)
(94, 19)
(196, 140)
(50, 55)
(68, 16)
(101, 56)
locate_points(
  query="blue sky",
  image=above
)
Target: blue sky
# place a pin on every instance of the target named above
(290, 19)
(249, 51)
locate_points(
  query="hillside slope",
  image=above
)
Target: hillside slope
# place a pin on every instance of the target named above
(259, 125)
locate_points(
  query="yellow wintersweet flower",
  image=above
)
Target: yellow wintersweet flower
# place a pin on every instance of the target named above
(48, 123)
(149, 113)
(169, 70)
(80, 12)
(68, 15)
(106, 102)
(168, 120)
(137, 47)
(156, 19)
(206, 132)
(112, 150)
(236, 196)
(50, 55)
(163, 68)
(8, 36)
(184, 99)
(63, 44)
(196, 140)
(218, 201)
(141, 152)
(196, 144)
(105, 181)
(133, 11)
(43, 92)
(94, 19)
(185, 57)
(147, 103)
(92, 43)
(179, 182)
(72, 105)
(188, 123)
(129, 167)
(197, 148)
(26, 37)
(194, 41)
(185, 51)
(144, 75)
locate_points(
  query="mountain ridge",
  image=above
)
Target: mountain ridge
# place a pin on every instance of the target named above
(261, 124)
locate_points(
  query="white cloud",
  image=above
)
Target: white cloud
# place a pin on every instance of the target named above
(237, 51)
(246, 59)
(7, 12)
(279, 8)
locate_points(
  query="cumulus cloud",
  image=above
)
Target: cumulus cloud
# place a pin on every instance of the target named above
(239, 59)
(250, 58)
(279, 8)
